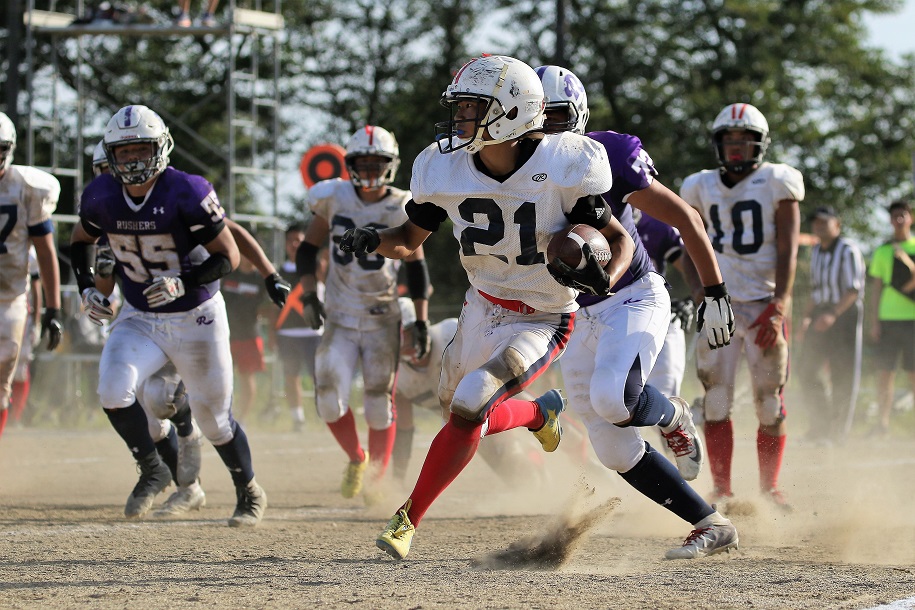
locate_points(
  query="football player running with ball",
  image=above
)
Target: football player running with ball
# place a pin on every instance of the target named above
(619, 336)
(506, 188)
(752, 214)
(154, 217)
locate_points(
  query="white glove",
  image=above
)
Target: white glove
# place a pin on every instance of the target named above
(716, 315)
(163, 291)
(97, 307)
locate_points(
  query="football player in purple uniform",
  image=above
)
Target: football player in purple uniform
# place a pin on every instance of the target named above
(619, 335)
(154, 218)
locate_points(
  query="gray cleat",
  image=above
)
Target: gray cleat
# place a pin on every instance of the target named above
(705, 541)
(184, 500)
(252, 502)
(683, 439)
(154, 478)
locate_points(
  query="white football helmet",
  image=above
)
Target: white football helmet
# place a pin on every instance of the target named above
(564, 91)
(99, 159)
(7, 141)
(135, 124)
(741, 117)
(512, 103)
(372, 141)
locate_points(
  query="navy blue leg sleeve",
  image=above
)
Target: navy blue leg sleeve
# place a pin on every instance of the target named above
(656, 478)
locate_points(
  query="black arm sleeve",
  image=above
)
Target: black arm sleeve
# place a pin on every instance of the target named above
(90, 228)
(426, 216)
(208, 271)
(306, 259)
(417, 279)
(82, 259)
(207, 234)
(590, 210)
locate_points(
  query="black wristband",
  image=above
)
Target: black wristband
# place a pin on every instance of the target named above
(82, 265)
(418, 279)
(306, 259)
(718, 291)
(208, 271)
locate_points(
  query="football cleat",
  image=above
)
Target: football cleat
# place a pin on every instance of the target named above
(184, 500)
(683, 439)
(252, 502)
(550, 433)
(705, 541)
(352, 477)
(154, 478)
(395, 539)
(778, 499)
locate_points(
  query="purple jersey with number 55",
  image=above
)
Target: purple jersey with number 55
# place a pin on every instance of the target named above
(633, 171)
(155, 237)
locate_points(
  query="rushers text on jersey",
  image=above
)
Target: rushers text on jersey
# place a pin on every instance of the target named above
(155, 237)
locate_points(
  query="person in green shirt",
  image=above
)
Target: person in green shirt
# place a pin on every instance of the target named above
(892, 326)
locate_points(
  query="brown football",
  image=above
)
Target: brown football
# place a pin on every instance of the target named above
(567, 243)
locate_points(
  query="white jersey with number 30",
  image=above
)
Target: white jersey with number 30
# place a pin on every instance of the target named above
(741, 223)
(361, 291)
(504, 227)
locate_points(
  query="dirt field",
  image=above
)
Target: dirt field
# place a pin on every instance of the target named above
(849, 544)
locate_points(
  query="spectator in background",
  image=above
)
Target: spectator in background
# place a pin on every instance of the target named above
(244, 292)
(296, 340)
(207, 18)
(892, 325)
(832, 328)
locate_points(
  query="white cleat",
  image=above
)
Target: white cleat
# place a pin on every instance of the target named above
(705, 541)
(183, 501)
(683, 439)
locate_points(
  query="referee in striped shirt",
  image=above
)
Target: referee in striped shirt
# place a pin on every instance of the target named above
(832, 329)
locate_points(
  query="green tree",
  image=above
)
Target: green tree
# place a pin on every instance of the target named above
(662, 69)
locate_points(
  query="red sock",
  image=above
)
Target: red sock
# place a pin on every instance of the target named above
(719, 443)
(451, 450)
(514, 413)
(771, 450)
(344, 430)
(3, 415)
(381, 443)
(20, 396)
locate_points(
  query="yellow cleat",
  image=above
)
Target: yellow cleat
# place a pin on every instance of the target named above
(352, 477)
(551, 405)
(396, 538)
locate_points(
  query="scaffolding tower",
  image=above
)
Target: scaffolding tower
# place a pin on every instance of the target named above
(248, 93)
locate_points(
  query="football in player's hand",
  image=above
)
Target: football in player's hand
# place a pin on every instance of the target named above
(567, 244)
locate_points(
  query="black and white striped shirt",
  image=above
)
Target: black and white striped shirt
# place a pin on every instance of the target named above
(835, 271)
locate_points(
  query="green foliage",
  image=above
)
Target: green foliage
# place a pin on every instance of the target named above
(662, 69)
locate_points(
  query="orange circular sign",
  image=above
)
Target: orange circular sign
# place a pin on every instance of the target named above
(323, 162)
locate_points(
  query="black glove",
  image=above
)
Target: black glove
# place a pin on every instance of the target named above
(313, 310)
(52, 326)
(591, 280)
(717, 308)
(360, 241)
(682, 310)
(277, 288)
(422, 342)
(104, 261)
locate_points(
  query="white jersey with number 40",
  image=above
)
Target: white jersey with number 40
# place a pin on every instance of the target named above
(504, 227)
(741, 223)
(28, 197)
(361, 292)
